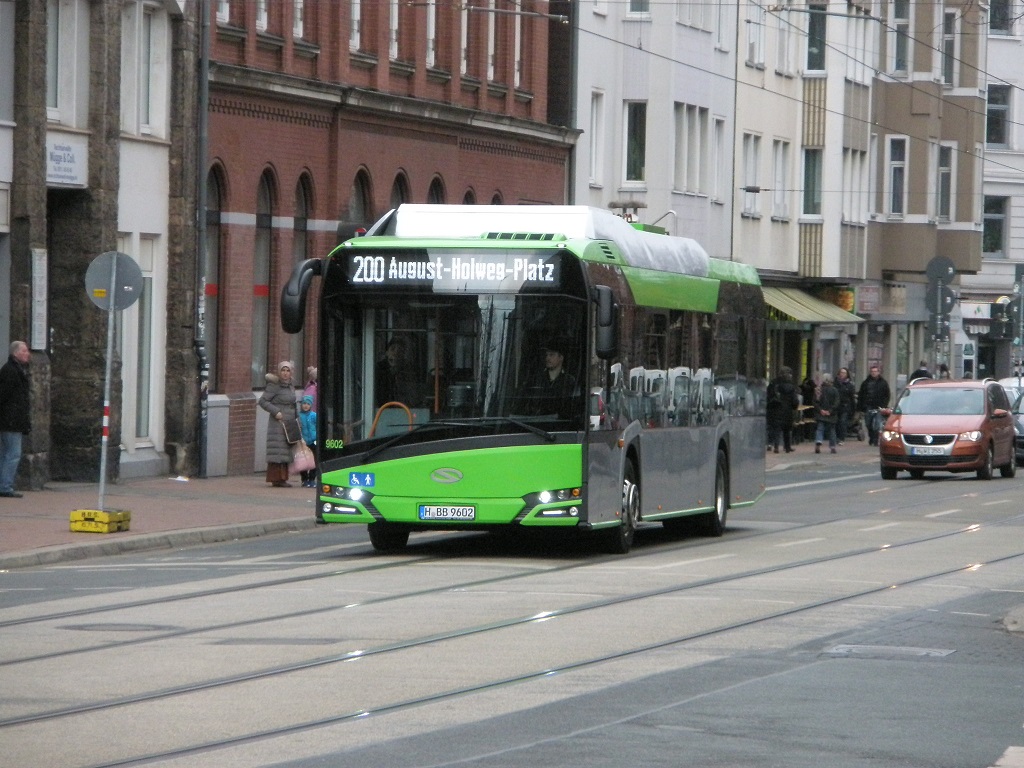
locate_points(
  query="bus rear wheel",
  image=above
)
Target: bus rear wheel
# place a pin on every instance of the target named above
(388, 537)
(713, 522)
(619, 540)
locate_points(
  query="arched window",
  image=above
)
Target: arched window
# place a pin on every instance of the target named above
(399, 191)
(360, 211)
(496, 199)
(211, 288)
(261, 282)
(300, 252)
(469, 198)
(435, 194)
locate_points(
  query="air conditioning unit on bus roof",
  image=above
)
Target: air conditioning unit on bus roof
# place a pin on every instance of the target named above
(639, 249)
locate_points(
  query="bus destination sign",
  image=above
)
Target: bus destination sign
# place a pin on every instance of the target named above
(457, 272)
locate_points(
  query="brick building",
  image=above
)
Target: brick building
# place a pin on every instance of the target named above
(322, 116)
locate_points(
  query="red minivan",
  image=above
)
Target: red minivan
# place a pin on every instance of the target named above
(949, 426)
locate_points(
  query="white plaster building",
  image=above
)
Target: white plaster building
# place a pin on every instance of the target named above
(1001, 278)
(655, 99)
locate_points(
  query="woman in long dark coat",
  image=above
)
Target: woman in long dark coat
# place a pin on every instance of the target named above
(279, 401)
(782, 404)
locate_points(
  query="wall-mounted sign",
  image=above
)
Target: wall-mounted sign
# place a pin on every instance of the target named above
(67, 159)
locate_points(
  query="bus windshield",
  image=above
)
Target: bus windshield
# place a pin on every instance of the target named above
(433, 366)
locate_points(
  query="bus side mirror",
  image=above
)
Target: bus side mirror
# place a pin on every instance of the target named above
(607, 342)
(293, 295)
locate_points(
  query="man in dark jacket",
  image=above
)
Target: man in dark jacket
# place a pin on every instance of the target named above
(874, 394)
(15, 416)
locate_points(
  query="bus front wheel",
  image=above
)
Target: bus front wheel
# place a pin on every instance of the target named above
(619, 540)
(388, 537)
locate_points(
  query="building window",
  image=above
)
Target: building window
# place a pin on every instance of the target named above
(998, 116)
(359, 209)
(394, 14)
(993, 238)
(817, 20)
(223, 11)
(211, 289)
(1000, 17)
(944, 190)
(780, 179)
(949, 58)
(144, 69)
(298, 19)
(812, 182)
(691, 13)
(900, 32)
(639, 6)
(897, 175)
(596, 138)
(67, 62)
(784, 34)
(751, 184)
(755, 34)
(721, 24)
(300, 252)
(636, 141)
(492, 40)
(261, 284)
(469, 198)
(719, 158)
(399, 191)
(435, 194)
(432, 33)
(261, 15)
(691, 150)
(355, 25)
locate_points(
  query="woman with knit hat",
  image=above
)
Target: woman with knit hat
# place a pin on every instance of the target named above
(279, 401)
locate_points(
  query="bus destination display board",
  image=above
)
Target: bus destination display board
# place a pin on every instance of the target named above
(483, 271)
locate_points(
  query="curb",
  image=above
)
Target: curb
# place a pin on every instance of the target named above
(150, 541)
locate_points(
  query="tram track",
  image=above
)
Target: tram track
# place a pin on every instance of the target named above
(503, 578)
(437, 697)
(492, 626)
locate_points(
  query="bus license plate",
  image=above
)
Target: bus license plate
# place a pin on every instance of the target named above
(438, 512)
(932, 450)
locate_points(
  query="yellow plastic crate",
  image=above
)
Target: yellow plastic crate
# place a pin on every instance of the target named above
(99, 521)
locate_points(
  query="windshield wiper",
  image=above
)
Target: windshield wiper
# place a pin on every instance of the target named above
(511, 420)
(472, 422)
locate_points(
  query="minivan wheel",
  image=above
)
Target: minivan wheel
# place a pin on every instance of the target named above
(985, 470)
(1009, 469)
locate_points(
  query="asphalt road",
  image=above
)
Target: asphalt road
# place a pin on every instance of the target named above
(843, 621)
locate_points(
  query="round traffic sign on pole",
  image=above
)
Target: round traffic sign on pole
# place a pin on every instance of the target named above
(113, 274)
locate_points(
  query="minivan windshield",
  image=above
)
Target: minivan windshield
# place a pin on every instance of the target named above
(945, 401)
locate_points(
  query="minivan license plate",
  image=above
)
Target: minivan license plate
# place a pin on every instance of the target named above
(928, 450)
(444, 512)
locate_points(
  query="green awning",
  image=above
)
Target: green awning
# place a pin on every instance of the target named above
(803, 307)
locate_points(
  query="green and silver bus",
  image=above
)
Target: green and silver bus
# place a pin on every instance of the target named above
(496, 367)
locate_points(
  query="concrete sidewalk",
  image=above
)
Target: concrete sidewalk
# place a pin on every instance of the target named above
(174, 512)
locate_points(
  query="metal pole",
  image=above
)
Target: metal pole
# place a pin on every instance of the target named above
(106, 381)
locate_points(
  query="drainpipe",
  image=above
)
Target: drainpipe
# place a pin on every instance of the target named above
(202, 121)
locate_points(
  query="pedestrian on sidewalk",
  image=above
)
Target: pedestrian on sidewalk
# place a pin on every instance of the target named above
(783, 401)
(847, 403)
(311, 385)
(874, 395)
(278, 400)
(307, 421)
(922, 372)
(15, 415)
(826, 411)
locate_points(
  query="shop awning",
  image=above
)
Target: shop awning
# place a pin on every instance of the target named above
(803, 307)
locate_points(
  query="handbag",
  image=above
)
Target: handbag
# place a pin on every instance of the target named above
(302, 459)
(292, 431)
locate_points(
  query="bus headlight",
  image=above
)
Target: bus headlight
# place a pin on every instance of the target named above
(563, 494)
